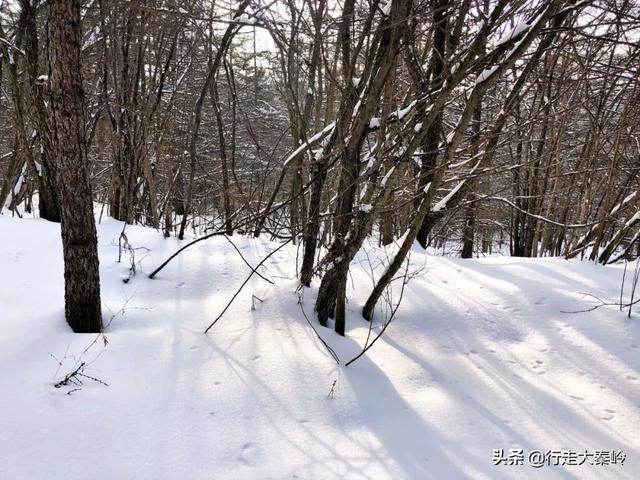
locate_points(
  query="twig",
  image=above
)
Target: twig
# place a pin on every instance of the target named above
(384, 327)
(602, 304)
(72, 378)
(331, 351)
(164, 264)
(253, 270)
(93, 378)
(333, 389)
(245, 261)
(634, 284)
(253, 301)
(624, 274)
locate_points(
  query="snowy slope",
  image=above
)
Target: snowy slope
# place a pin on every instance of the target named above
(479, 357)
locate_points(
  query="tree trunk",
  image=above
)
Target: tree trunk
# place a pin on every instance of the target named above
(469, 228)
(79, 241)
(48, 204)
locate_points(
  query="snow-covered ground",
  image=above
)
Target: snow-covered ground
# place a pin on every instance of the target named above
(479, 357)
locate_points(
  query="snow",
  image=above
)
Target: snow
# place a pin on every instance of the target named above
(374, 123)
(442, 204)
(315, 138)
(522, 27)
(245, 19)
(386, 177)
(16, 189)
(479, 357)
(624, 202)
(486, 74)
(518, 29)
(386, 9)
(402, 112)
(365, 207)
(633, 219)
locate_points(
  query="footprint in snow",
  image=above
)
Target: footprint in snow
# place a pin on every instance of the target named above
(609, 414)
(540, 301)
(247, 454)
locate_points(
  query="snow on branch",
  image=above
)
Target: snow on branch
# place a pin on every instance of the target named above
(310, 142)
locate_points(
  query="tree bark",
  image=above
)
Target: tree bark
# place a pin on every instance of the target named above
(79, 240)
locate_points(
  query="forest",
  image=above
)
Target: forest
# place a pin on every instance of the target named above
(332, 166)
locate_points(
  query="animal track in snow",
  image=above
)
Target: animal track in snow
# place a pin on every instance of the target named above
(247, 454)
(609, 414)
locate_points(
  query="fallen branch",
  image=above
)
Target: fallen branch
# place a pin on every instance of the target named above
(245, 261)
(602, 304)
(72, 378)
(164, 264)
(253, 270)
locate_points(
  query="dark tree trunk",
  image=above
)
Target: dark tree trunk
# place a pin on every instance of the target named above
(469, 228)
(48, 204)
(79, 242)
(24, 152)
(468, 231)
(319, 176)
(429, 157)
